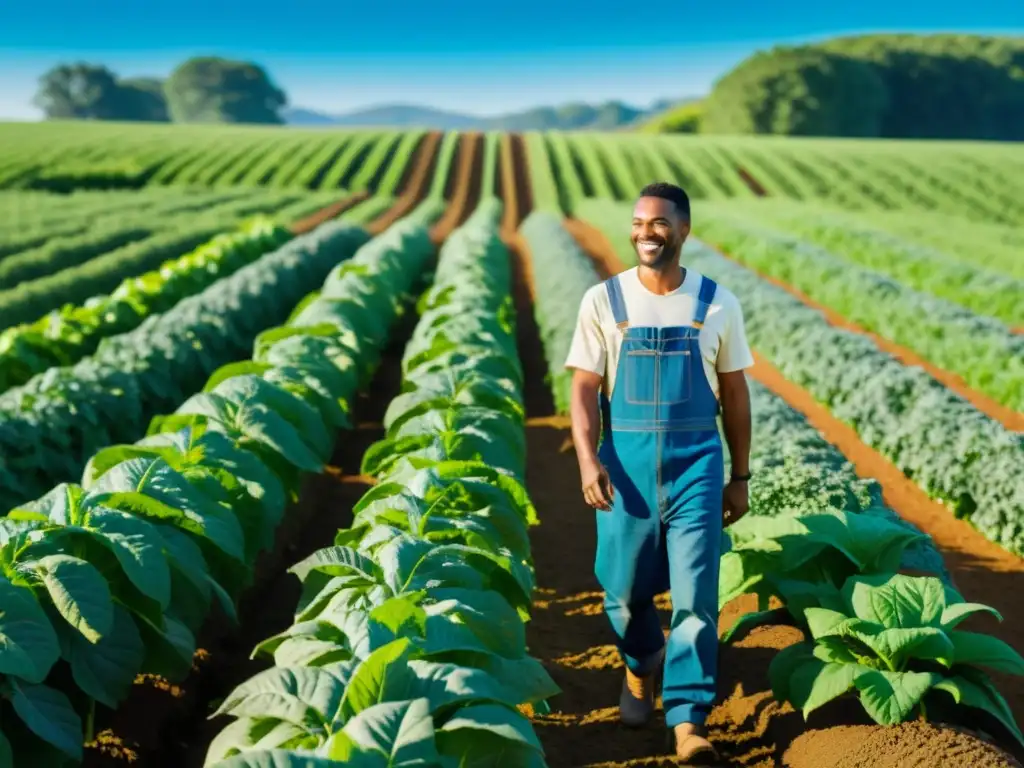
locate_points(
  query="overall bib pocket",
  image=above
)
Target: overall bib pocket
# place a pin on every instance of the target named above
(642, 369)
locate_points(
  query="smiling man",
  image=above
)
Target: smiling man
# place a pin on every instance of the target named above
(658, 351)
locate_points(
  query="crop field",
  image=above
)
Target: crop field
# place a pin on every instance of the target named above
(285, 463)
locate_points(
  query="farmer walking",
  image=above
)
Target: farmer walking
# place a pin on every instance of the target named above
(657, 352)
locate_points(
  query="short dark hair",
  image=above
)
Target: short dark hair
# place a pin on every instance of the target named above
(670, 192)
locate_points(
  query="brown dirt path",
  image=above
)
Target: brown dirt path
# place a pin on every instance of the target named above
(464, 184)
(1005, 415)
(414, 185)
(570, 634)
(332, 211)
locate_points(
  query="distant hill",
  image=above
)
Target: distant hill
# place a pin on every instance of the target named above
(612, 115)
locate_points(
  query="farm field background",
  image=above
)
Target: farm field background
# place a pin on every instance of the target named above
(240, 365)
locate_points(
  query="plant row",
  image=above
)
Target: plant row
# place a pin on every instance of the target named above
(30, 219)
(954, 452)
(982, 350)
(820, 540)
(50, 239)
(919, 267)
(100, 274)
(50, 426)
(315, 161)
(112, 578)
(560, 285)
(65, 336)
(408, 646)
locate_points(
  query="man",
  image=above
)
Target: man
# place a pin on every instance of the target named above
(656, 349)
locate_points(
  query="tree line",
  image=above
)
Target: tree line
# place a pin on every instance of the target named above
(887, 86)
(205, 89)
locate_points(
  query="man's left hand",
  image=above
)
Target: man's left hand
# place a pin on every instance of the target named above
(735, 502)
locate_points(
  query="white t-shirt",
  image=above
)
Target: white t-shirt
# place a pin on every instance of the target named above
(596, 342)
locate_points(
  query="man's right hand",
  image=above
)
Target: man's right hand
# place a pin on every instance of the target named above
(597, 486)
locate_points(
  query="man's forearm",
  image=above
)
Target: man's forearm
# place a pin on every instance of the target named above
(586, 425)
(736, 421)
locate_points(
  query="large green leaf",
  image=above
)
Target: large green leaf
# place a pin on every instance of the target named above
(78, 592)
(153, 489)
(890, 697)
(106, 670)
(401, 731)
(973, 689)
(307, 697)
(895, 600)
(985, 651)
(489, 734)
(28, 643)
(48, 714)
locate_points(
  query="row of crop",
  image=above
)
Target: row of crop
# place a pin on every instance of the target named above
(313, 161)
(113, 578)
(67, 335)
(410, 628)
(821, 541)
(30, 220)
(988, 245)
(983, 351)
(854, 176)
(955, 453)
(918, 267)
(52, 424)
(73, 272)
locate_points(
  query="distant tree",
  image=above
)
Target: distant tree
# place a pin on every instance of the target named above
(144, 100)
(215, 90)
(945, 86)
(80, 91)
(83, 91)
(684, 118)
(797, 91)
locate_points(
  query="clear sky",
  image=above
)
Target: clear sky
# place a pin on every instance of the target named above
(477, 57)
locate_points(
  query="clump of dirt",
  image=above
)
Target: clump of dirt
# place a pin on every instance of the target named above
(915, 744)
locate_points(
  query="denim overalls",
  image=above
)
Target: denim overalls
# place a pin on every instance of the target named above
(661, 447)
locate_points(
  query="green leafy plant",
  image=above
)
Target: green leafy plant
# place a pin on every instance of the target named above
(409, 644)
(893, 639)
(102, 581)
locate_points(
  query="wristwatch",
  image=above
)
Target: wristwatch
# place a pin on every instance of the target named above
(740, 478)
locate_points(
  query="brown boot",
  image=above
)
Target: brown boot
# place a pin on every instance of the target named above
(636, 703)
(693, 746)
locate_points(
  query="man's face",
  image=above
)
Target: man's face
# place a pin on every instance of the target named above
(658, 231)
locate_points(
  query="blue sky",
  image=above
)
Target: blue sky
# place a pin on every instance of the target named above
(479, 57)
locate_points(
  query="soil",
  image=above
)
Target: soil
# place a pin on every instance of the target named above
(414, 187)
(1005, 415)
(751, 182)
(308, 224)
(569, 632)
(463, 184)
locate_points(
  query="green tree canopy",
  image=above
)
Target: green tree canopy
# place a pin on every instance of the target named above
(82, 91)
(894, 86)
(215, 90)
(144, 99)
(801, 91)
(79, 91)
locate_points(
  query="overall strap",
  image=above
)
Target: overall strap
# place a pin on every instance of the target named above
(704, 297)
(618, 303)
